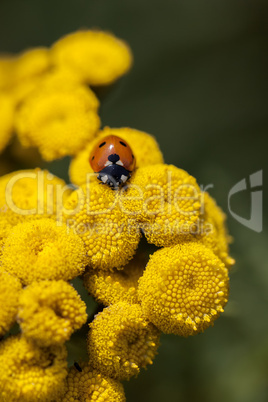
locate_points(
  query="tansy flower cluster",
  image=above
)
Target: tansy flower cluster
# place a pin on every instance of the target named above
(153, 253)
(45, 94)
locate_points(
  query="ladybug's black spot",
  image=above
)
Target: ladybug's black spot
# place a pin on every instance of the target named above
(93, 157)
(113, 158)
(133, 156)
(122, 143)
(103, 143)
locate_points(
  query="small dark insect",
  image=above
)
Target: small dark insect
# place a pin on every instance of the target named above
(78, 368)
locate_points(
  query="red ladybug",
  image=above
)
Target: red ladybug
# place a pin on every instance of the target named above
(113, 159)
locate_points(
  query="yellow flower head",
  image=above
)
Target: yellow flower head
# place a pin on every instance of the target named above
(31, 63)
(110, 237)
(10, 288)
(6, 119)
(183, 289)
(54, 79)
(217, 237)
(58, 121)
(28, 194)
(167, 202)
(40, 250)
(115, 286)
(143, 145)
(62, 78)
(89, 385)
(29, 373)
(97, 57)
(121, 341)
(50, 311)
(24, 72)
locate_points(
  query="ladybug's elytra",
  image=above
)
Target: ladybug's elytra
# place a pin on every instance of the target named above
(113, 159)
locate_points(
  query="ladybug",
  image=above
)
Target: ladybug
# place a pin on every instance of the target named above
(113, 159)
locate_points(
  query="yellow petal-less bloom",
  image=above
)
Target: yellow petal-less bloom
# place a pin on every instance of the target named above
(40, 250)
(217, 237)
(31, 63)
(58, 121)
(6, 119)
(89, 385)
(28, 194)
(29, 373)
(112, 287)
(97, 57)
(143, 145)
(110, 237)
(10, 288)
(121, 341)
(183, 289)
(55, 79)
(167, 202)
(50, 311)
(24, 72)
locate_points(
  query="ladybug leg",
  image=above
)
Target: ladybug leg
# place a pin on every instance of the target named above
(112, 182)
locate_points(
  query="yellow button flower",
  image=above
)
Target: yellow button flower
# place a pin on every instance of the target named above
(54, 79)
(89, 385)
(143, 145)
(97, 57)
(31, 63)
(166, 200)
(215, 233)
(115, 286)
(29, 373)
(10, 288)
(110, 237)
(6, 119)
(121, 341)
(183, 289)
(40, 250)
(28, 194)
(58, 121)
(24, 72)
(50, 311)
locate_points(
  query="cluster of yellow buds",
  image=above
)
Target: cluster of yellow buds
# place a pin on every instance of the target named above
(51, 233)
(45, 95)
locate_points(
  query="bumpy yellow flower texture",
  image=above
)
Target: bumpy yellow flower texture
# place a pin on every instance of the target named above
(51, 233)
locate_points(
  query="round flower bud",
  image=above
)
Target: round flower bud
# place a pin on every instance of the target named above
(50, 311)
(86, 384)
(27, 195)
(166, 200)
(97, 57)
(183, 289)
(58, 121)
(109, 236)
(29, 373)
(30, 64)
(121, 341)
(40, 250)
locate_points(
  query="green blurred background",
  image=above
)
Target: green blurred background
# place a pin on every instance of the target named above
(199, 84)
